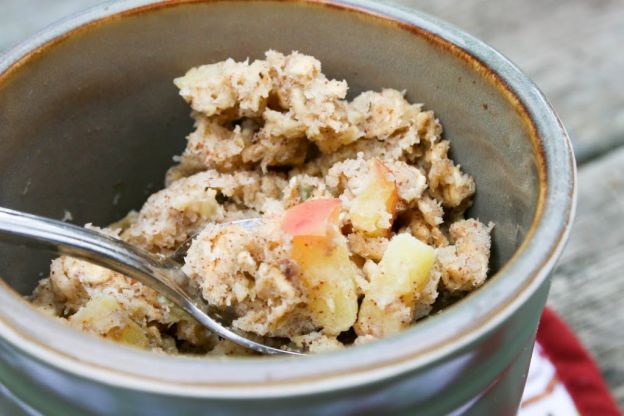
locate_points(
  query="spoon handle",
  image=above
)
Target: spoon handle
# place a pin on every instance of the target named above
(164, 275)
(67, 239)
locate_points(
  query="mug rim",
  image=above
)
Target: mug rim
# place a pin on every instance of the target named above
(44, 338)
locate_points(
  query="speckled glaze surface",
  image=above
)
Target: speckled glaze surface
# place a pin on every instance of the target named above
(88, 114)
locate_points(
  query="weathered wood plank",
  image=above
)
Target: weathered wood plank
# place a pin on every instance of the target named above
(588, 286)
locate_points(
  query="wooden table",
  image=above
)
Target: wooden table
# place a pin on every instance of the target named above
(574, 51)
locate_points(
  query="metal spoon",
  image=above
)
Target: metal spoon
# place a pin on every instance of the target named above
(163, 275)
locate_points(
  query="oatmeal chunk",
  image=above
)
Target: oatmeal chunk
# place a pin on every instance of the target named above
(316, 342)
(174, 214)
(368, 247)
(251, 273)
(424, 230)
(303, 187)
(108, 304)
(379, 115)
(315, 102)
(409, 180)
(241, 88)
(213, 146)
(446, 181)
(465, 263)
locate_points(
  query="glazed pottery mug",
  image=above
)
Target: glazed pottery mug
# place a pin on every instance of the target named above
(89, 120)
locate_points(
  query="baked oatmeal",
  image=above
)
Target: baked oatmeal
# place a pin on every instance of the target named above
(363, 218)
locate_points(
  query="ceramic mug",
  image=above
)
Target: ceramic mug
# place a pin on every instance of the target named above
(89, 114)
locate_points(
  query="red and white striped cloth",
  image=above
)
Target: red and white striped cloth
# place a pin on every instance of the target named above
(563, 379)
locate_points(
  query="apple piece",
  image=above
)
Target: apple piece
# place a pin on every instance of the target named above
(329, 277)
(105, 316)
(390, 300)
(327, 272)
(373, 209)
(312, 218)
(131, 334)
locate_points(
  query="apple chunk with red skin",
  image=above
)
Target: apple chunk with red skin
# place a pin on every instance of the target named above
(313, 218)
(374, 207)
(327, 272)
